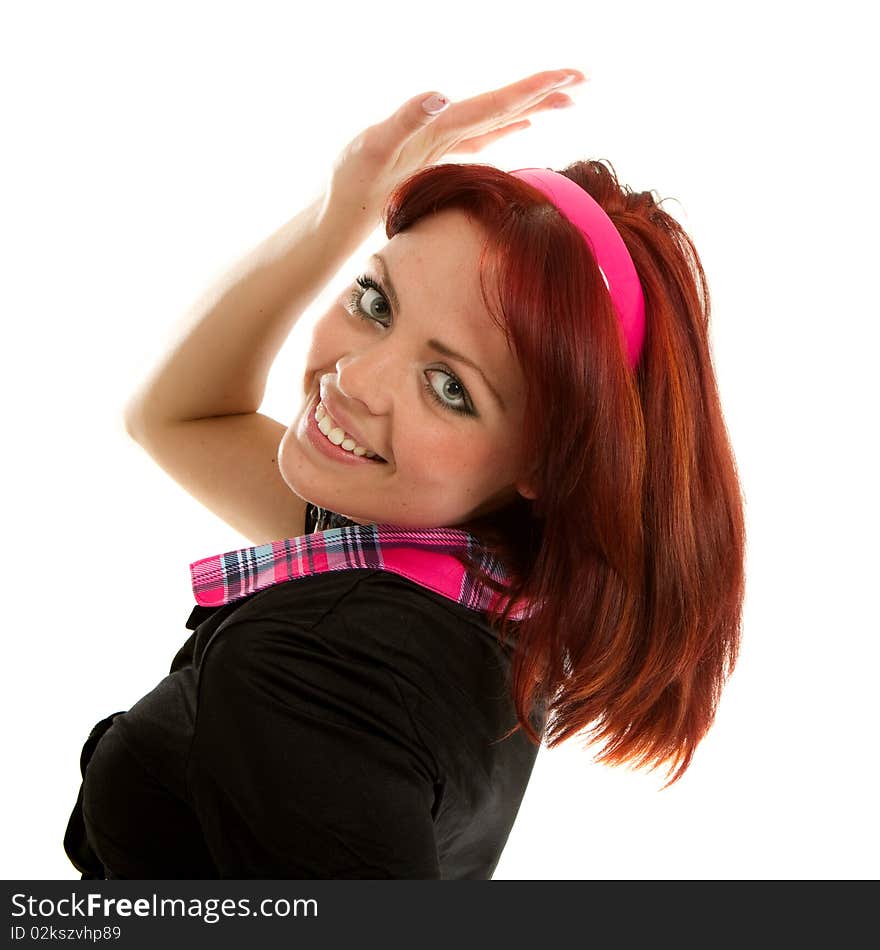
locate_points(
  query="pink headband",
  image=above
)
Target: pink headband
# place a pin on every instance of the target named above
(612, 257)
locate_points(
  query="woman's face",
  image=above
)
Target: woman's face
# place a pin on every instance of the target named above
(385, 371)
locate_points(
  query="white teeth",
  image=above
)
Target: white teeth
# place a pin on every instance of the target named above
(337, 435)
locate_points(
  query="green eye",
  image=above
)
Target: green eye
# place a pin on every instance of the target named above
(376, 307)
(452, 389)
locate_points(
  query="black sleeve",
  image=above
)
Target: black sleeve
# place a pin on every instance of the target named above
(304, 762)
(77, 846)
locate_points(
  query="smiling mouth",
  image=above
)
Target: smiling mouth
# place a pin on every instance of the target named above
(338, 436)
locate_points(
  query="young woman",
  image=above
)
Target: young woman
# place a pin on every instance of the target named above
(506, 512)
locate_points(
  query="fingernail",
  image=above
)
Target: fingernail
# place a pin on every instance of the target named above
(434, 104)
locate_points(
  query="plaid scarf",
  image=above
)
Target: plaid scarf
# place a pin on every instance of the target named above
(422, 555)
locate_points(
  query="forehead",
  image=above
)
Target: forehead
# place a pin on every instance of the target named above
(439, 247)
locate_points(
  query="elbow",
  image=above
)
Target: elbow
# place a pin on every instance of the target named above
(134, 419)
(129, 423)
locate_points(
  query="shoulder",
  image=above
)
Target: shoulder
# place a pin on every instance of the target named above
(442, 660)
(374, 605)
(321, 649)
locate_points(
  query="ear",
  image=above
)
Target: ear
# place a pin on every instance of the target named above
(525, 489)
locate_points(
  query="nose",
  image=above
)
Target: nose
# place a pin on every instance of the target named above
(369, 377)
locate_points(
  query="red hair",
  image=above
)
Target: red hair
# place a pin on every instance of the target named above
(635, 545)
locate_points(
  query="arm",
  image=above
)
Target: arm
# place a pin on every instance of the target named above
(219, 361)
(195, 414)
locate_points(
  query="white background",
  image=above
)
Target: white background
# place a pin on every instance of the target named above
(148, 146)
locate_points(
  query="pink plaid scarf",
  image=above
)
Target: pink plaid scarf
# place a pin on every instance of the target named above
(423, 556)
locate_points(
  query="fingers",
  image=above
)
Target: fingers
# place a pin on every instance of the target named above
(499, 106)
(389, 136)
(479, 142)
(555, 100)
(476, 143)
(403, 142)
(417, 112)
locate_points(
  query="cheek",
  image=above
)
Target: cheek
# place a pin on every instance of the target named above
(488, 467)
(423, 452)
(447, 459)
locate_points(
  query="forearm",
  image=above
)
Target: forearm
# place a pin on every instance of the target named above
(219, 359)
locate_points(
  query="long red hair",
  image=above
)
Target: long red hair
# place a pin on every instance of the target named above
(634, 549)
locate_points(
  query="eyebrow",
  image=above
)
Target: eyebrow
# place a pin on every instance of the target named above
(441, 348)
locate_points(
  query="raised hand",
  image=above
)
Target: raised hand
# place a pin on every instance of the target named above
(385, 153)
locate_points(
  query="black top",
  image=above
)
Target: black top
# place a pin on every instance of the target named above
(342, 725)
